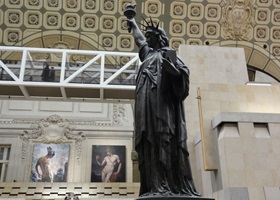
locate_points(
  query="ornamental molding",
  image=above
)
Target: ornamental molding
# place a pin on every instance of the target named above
(118, 117)
(238, 19)
(53, 129)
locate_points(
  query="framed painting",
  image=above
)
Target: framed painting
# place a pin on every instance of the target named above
(50, 163)
(108, 163)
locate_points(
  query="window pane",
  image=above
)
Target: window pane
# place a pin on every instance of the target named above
(5, 173)
(5, 152)
(1, 165)
(1, 153)
(8, 153)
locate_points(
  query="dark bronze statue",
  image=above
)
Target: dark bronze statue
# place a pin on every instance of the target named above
(160, 131)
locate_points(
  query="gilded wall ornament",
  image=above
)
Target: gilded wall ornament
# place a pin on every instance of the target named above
(238, 18)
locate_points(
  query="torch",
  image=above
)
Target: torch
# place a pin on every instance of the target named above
(130, 13)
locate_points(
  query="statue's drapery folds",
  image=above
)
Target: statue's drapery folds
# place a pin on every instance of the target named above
(161, 87)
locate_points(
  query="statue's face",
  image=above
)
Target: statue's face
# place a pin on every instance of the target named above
(151, 39)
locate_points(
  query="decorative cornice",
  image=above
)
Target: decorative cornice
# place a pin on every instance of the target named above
(118, 118)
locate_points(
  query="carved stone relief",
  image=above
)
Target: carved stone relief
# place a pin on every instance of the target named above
(261, 33)
(52, 3)
(178, 10)
(275, 34)
(119, 114)
(33, 3)
(118, 119)
(176, 42)
(195, 29)
(238, 19)
(33, 19)
(53, 129)
(13, 36)
(276, 50)
(57, 57)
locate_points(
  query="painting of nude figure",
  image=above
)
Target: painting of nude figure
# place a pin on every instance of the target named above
(108, 163)
(50, 163)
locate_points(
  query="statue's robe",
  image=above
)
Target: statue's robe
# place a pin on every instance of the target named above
(160, 129)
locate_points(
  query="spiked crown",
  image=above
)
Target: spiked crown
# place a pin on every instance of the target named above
(150, 27)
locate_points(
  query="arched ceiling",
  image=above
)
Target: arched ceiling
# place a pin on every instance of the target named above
(101, 25)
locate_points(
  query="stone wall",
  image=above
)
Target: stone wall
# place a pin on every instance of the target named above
(237, 132)
(248, 148)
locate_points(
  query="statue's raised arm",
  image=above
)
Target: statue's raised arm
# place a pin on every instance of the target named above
(132, 25)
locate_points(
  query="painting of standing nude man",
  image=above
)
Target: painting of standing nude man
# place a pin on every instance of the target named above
(50, 163)
(108, 164)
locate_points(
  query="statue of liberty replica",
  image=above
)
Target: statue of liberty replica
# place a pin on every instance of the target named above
(162, 85)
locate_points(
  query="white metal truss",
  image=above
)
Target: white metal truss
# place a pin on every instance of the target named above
(100, 76)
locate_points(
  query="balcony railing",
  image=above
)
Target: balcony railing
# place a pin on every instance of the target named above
(77, 74)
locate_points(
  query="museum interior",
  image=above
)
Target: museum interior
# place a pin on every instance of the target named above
(71, 120)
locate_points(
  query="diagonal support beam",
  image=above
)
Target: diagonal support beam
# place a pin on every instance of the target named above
(24, 92)
(8, 71)
(70, 78)
(117, 73)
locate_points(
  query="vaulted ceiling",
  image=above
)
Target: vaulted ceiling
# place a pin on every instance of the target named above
(101, 25)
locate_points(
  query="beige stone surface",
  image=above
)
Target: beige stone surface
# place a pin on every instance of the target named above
(256, 193)
(248, 145)
(272, 193)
